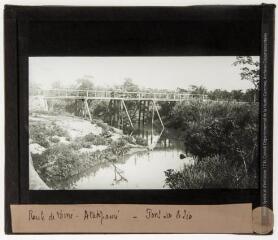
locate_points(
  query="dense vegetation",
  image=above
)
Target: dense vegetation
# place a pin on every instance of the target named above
(62, 163)
(223, 137)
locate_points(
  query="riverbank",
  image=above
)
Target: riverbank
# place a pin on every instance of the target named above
(64, 146)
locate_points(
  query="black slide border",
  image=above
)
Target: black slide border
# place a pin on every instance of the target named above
(141, 31)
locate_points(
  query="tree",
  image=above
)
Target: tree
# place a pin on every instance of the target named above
(219, 94)
(34, 85)
(56, 85)
(181, 90)
(129, 86)
(249, 95)
(77, 106)
(237, 95)
(84, 84)
(198, 89)
(250, 69)
(34, 88)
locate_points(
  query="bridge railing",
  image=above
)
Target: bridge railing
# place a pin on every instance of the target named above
(64, 93)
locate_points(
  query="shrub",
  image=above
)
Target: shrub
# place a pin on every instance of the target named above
(101, 109)
(54, 139)
(60, 162)
(141, 141)
(94, 139)
(106, 129)
(129, 139)
(42, 133)
(119, 148)
(212, 172)
(76, 145)
(38, 133)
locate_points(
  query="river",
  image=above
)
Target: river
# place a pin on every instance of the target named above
(140, 170)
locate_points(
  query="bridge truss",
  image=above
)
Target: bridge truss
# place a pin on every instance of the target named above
(117, 99)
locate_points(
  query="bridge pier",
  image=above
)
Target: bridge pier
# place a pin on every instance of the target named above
(116, 110)
(129, 119)
(139, 114)
(87, 109)
(148, 109)
(152, 119)
(154, 104)
(144, 113)
(144, 110)
(50, 105)
(109, 110)
(44, 104)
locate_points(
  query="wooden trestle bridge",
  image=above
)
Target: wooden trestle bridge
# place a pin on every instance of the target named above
(117, 100)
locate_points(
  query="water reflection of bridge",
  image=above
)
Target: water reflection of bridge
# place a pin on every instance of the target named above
(156, 138)
(146, 101)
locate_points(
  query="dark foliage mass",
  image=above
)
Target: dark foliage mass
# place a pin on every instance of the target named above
(224, 140)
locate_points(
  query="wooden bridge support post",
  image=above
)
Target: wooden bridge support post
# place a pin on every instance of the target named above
(154, 104)
(116, 113)
(112, 112)
(82, 108)
(45, 105)
(152, 116)
(43, 102)
(129, 119)
(87, 109)
(139, 117)
(121, 114)
(148, 110)
(152, 121)
(51, 106)
(144, 108)
(109, 112)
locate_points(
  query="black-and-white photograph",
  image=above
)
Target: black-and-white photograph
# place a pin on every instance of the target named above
(143, 122)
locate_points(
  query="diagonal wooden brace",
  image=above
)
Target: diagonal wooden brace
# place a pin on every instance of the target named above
(87, 108)
(129, 119)
(156, 109)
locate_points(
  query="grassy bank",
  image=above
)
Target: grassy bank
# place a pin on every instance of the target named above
(223, 137)
(63, 152)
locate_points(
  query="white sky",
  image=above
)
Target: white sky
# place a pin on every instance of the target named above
(153, 72)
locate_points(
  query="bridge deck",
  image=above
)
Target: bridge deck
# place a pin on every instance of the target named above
(115, 95)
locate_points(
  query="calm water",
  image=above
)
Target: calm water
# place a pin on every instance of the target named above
(140, 170)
